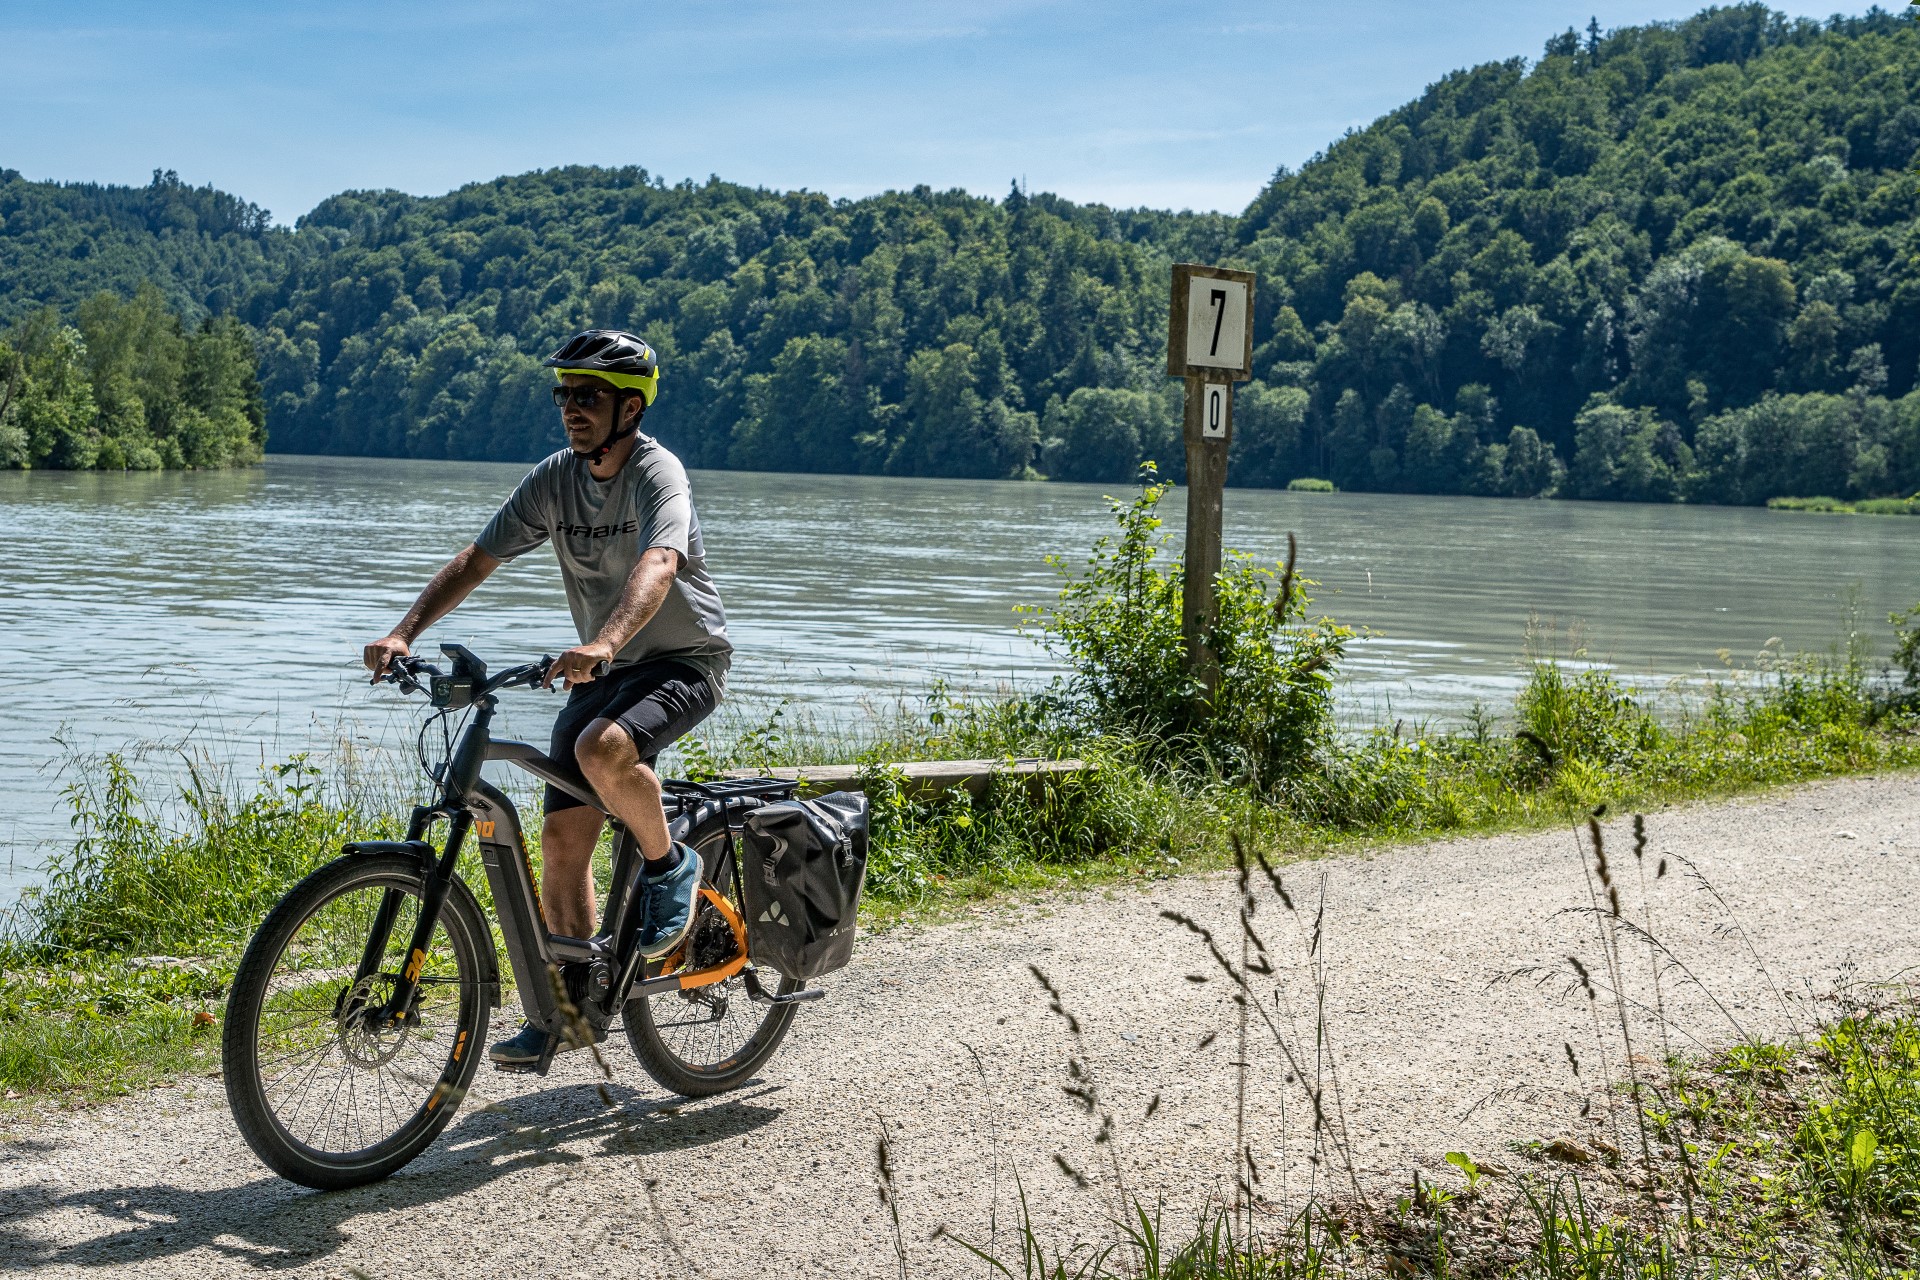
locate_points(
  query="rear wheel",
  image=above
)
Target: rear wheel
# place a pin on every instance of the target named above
(324, 1093)
(707, 1040)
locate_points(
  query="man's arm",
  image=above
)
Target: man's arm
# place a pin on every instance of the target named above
(455, 581)
(646, 588)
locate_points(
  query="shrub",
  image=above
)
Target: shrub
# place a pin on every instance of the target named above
(1116, 627)
(129, 884)
(1587, 716)
(1307, 484)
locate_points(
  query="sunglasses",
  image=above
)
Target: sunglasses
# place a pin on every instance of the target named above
(587, 398)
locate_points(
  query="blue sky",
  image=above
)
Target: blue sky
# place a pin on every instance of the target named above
(1173, 105)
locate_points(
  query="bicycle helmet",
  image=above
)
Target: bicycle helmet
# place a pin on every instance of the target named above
(616, 357)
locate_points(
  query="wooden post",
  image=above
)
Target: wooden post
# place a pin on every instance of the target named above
(1210, 345)
(1209, 433)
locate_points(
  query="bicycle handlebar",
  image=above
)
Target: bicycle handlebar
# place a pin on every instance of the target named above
(411, 674)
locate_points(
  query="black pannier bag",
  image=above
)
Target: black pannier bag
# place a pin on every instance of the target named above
(802, 866)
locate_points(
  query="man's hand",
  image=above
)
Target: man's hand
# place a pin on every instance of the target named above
(380, 654)
(577, 665)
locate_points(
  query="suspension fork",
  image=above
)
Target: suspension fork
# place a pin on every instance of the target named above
(388, 911)
(433, 896)
(462, 772)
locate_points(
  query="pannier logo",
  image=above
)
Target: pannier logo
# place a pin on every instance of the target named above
(768, 869)
(773, 915)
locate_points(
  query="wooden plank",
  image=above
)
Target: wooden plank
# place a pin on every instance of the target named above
(923, 777)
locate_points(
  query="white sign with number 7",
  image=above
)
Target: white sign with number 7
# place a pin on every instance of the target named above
(1216, 322)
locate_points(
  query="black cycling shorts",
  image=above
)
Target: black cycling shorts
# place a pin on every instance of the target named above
(655, 702)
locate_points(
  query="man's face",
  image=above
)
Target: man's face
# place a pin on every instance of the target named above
(588, 429)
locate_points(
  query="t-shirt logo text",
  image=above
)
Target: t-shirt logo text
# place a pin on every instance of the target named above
(596, 530)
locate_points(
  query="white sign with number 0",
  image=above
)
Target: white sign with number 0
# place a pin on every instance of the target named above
(1214, 411)
(1216, 322)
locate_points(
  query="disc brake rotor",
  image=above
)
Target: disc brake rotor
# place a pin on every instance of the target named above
(366, 1045)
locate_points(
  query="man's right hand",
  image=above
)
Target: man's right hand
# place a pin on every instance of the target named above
(380, 654)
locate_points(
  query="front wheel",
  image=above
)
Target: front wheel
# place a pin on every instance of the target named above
(325, 1094)
(706, 1040)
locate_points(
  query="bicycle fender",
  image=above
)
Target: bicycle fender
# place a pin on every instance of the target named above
(419, 850)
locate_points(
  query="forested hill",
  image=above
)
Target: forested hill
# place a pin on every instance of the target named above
(1674, 261)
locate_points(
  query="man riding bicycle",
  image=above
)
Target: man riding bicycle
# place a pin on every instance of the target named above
(617, 508)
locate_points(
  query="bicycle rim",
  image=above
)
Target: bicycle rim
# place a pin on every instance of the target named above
(715, 1033)
(335, 1086)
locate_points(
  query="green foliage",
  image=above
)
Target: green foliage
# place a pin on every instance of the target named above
(1671, 262)
(63, 243)
(1116, 626)
(1307, 484)
(1906, 653)
(1587, 716)
(1833, 506)
(132, 883)
(1861, 1146)
(127, 387)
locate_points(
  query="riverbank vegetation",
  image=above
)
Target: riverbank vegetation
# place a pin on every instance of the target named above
(111, 971)
(1674, 262)
(127, 386)
(1833, 506)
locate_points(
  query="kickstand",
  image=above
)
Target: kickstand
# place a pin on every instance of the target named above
(541, 1067)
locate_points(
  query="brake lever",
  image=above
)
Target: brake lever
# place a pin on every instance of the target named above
(545, 665)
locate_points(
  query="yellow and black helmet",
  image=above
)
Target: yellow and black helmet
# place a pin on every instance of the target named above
(613, 355)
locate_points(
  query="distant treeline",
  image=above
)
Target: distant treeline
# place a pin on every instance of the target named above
(1679, 261)
(126, 386)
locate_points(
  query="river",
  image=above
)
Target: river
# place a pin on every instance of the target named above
(226, 610)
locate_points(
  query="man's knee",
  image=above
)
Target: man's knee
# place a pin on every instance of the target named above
(605, 750)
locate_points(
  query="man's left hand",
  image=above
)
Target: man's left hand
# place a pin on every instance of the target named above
(576, 665)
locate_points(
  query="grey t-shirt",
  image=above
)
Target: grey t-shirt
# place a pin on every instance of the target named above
(600, 529)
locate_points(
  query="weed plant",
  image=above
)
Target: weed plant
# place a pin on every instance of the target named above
(110, 968)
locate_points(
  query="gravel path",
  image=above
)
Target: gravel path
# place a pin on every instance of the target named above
(779, 1179)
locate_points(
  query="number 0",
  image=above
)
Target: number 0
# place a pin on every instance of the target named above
(1214, 400)
(1219, 298)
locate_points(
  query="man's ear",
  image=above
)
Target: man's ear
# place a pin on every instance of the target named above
(638, 405)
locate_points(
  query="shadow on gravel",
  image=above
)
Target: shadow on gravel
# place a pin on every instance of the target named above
(272, 1224)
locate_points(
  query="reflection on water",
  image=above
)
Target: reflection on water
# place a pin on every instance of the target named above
(228, 608)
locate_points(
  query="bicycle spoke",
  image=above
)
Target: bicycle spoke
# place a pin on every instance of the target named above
(343, 1084)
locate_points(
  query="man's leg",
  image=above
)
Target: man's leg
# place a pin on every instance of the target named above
(611, 760)
(567, 840)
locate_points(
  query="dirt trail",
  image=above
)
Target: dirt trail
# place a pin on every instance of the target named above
(779, 1179)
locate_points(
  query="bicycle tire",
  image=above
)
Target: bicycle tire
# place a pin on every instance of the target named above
(673, 1069)
(265, 1110)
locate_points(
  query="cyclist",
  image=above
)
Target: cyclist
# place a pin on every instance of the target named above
(616, 505)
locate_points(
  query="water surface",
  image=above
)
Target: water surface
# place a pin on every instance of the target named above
(226, 610)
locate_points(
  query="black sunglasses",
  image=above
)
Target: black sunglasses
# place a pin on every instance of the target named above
(587, 398)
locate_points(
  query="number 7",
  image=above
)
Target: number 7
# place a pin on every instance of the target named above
(1219, 301)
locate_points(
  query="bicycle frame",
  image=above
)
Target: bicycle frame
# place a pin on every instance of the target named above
(475, 808)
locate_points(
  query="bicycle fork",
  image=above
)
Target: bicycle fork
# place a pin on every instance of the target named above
(437, 881)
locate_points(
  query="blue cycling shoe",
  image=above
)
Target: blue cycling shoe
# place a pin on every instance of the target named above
(667, 902)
